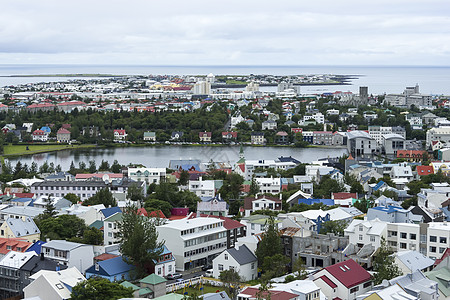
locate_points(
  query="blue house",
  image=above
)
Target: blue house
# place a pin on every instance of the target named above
(113, 269)
(36, 247)
(108, 212)
(46, 129)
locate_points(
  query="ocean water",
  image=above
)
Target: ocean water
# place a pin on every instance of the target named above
(379, 79)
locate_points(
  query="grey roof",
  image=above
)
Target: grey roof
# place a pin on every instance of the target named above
(414, 260)
(358, 134)
(415, 282)
(28, 211)
(62, 245)
(243, 255)
(215, 296)
(21, 228)
(36, 263)
(97, 183)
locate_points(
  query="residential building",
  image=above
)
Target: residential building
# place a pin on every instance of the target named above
(438, 239)
(345, 280)
(63, 136)
(229, 136)
(11, 279)
(149, 175)
(322, 137)
(69, 254)
(83, 189)
(202, 88)
(318, 117)
(261, 202)
(39, 135)
(282, 138)
(411, 155)
(393, 214)
(165, 265)
(194, 242)
(253, 293)
(152, 286)
(417, 285)
(269, 185)
(150, 136)
(411, 96)
(360, 143)
(240, 259)
(23, 228)
(410, 261)
(441, 134)
(114, 269)
(392, 143)
(269, 125)
(213, 206)
(55, 285)
(11, 244)
(205, 137)
(202, 188)
(120, 135)
(257, 138)
(361, 232)
(111, 229)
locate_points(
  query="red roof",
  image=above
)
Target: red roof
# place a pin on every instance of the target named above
(98, 175)
(327, 281)
(105, 256)
(63, 131)
(72, 103)
(446, 253)
(342, 196)
(12, 244)
(410, 153)
(349, 273)
(40, 105)
(204, 134)
(38, 132)
(21, 195)
(157, 214)
(232, 133)
(248, 201)
(274, 295)
(424, 170)
(120, 131)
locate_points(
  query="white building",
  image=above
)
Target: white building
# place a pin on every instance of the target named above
(150, 175)
(403, 236)
(111, 229)
(361, 232)
(438, 239)
(269, 185)
(202, 188)
(441, 134)
(69, 254)
(251, 165)
(241, 259)
(202, 88)
(194, 242)
(318, 117)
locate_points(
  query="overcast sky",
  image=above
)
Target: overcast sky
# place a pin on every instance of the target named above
(244, 32)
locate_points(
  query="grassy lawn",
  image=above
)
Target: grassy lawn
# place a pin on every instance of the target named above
(22, 149)
(206, 289)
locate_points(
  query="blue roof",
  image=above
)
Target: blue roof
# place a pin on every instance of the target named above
(328, 202)
(107, 212)
(378, 186)
(36, 247)
(388, 209)
(46, 129)
(111, 267)
(22, 200)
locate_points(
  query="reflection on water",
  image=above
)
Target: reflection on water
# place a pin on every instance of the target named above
(159, 156)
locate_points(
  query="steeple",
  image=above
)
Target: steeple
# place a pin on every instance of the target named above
(241, 152)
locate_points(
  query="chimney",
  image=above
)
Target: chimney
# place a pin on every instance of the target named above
(42, 256)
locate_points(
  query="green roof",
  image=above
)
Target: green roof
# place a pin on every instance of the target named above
(153, 279)
(97, 224)
(145, 291)
(149, 134)
(441, 276)
(128, 284)
(241, 161)
(117, 217)
(171, 296)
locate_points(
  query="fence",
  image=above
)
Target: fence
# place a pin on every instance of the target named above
(189, 282)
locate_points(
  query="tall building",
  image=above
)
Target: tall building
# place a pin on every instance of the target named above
(202, 88)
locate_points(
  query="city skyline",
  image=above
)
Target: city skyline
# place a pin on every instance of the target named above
(227, 33)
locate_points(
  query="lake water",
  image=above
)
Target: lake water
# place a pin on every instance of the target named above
(379, 79)
(159, 156)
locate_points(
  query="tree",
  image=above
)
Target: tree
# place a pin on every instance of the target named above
(254, 187)
(270, 244)
(184, 177)
(326, 187)
(100, 289)
(275, 265)
(138, 240)
(299, 268)
(92, 236)
(50, 209)
(103, 196)
(72, 198)
(231, 281)
(135, 193)
(384, 264)
(337, 227)
(115, 167)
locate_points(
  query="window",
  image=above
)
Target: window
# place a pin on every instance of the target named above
(433, 249)
(354, 290)
(412, 236)
(170, 268)
(367, 284)
(372, 239)
(442, 240)
(402, 245)
(403, 235)
(360, 237)
(360, 228)
(433, 238)
(226, 256)
(220, 267)
(253, 266)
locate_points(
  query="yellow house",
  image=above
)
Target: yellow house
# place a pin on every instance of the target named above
(23, 228)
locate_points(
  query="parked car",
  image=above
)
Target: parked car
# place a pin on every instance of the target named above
(209, 273)
(174, 276)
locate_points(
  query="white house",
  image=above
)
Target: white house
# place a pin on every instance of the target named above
(120, 135)
(194, 242)
(150, 175)
(361, 232)
(202, 188)
(269, 185)
(241, 259)
(111, 229)
(69, 254)
(438, 239)
(410, 261)
(344, 280)
(403, 236)
(55, 285)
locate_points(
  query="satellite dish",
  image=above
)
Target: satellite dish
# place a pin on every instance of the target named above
(105, 177)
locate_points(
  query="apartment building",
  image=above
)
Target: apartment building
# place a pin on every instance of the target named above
(438, 239)
(403, 236)
(149, 175)
(69, 254)
(194, 242)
